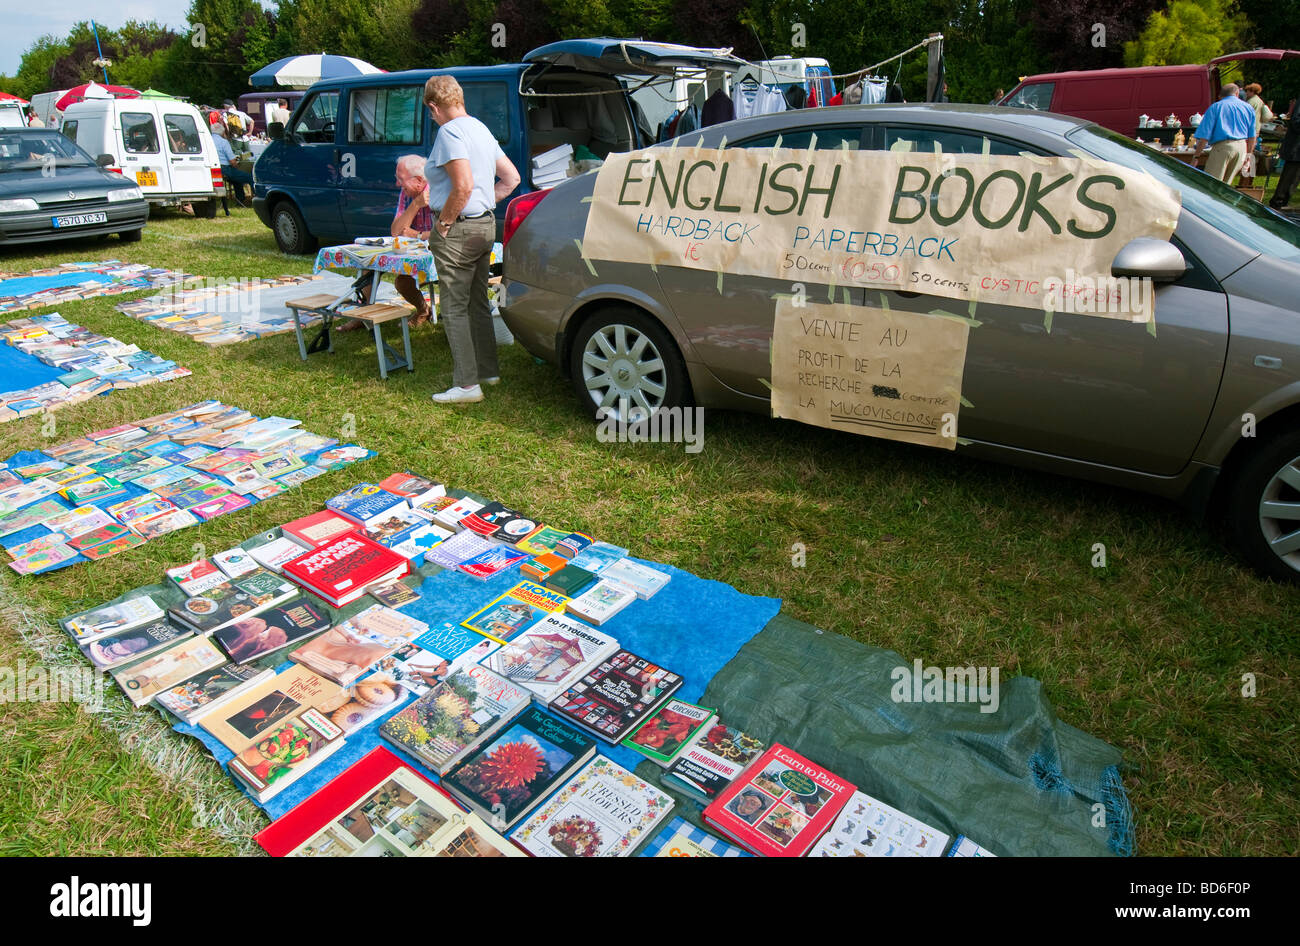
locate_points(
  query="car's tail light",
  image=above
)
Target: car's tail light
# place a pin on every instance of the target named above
(517, 210)
(216, 177)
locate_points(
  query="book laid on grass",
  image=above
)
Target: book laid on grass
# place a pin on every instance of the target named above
(455, 716)
(381, 806)
(712, 760)
(598, 556)
(143, 680)
(601, 601)
(112, 619)
(492, 562)
(194, 578)
(232, 600)
(286, 753)
(451, 552)
(507, 776)
(522, 606)
(683, 839)
(603, 811)
(274, 554)
(347, 650)
(663, 736)
(642, 579)
(570, 580)
(317, 529)
(615, 695)
(272, 629)
(209, 690)
(780, 805)
(340, 571)
(114, 650)
(551, 655)
(867, 827)
(247, 716)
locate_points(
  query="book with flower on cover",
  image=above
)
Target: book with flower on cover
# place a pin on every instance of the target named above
(780, 805)
(664, 735)
(340, 571)
(603, 811)
(712, 760)
(455, 716)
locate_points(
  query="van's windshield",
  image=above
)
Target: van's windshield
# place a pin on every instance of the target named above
(1225, 208)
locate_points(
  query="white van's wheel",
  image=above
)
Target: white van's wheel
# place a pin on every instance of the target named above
(291, 233)
(206, 208)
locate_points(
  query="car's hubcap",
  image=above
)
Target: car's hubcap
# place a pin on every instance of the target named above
(624, 372)
(288, 232)
(1279, 513)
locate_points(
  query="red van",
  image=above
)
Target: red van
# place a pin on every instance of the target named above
(1116, 98)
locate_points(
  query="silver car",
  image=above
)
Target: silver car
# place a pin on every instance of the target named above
(1206, 411)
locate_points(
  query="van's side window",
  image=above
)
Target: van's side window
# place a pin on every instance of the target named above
(489, 102)
(139, 133)
(182, 134)
(1037, 96)
(386, 116)
(316, 121)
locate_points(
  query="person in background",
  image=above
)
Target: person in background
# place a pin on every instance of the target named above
(1263, 113)
(1290, 155)
(468, 176)
(232, 175)
(34, 120)
(281, 112)
(997, 97)
(241, 120)
(1228, 127)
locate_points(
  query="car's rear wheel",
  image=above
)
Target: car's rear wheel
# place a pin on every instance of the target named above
(291, 233)
(130, 236)
(623, 361)
(1264, 507)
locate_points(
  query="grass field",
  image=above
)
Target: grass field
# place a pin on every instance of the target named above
(940, 558)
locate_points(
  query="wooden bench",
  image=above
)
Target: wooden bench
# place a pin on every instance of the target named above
(374, 315)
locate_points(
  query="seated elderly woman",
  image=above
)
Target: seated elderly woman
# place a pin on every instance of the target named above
(413, 218)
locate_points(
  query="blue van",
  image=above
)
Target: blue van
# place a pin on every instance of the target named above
(328, 176)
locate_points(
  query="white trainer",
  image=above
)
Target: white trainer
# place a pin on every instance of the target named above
(470, 395)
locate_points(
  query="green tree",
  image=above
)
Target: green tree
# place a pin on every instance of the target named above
(36, 69)
(1187, 32)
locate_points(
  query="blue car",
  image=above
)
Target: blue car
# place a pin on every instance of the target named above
(328, 176)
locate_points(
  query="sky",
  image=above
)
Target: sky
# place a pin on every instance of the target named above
(59, 16)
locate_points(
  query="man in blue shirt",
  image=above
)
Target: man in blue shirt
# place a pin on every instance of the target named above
(1228, 126)
(230, 173)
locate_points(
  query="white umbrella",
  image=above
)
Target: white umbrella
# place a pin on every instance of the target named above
(298, 72)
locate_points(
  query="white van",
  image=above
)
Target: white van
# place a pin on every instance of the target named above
(163, 145)
(12, 115)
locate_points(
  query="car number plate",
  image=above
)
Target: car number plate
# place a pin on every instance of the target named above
(79, 220)
(146, 178)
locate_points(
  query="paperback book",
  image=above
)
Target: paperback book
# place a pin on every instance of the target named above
(247, 716)
(616, 695)
(551, 655)
(272, 629)
(451, 552)
(712, 760)
(144, 680)
(346, 651)
(113, 619)
(207, 691)
(232, 600)
(642, 579)
(492, 562)
(114, 650)
(867, 827)
(663, 736)
(520, 607)
(601, 602)
(285, 754)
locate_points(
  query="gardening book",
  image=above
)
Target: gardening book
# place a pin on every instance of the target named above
(455, 717)
(142, 681)
(603, 811)
(340, 571)
(616, 695)
(601, 602)
(122, 648)
(664, 735)
(113, 618)
(507, 776)
(286, 753)
(209, 690)
(522, 606)
(683, 839)
(251, 637)
(245, 717)
(232, 600)
(780, 805)
(549, 656)
(712, 760)
(868, 827)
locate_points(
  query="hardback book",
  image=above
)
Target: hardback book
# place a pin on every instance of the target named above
(347, 650)
(209, 690)
(114, 650)
(598, 556)
(194, 578)
(234, 599)
(235, 563)
(780, 805)
(246, 717)
(505, 777)
(572, 544)
(603, 811)
(615, 695)
(543, 567)
(663, 736)
(275, 554)
(368, 507)
(380, 621)
(642, 579)
(492, 562)
(112, 619)
(340, 571)
(963, 846)
(551, 655)
(683, 839)
(317, 529)
(712, 760)
(571, 580)
(455, 716)
(381, 806)
(459, 548)
(867, 827)
(418, 542)
(286, 753)
(409, 485)
(601, 601)
(272, 629)
(522, 606)
(486, 520)
(452, 515)
(145, 679)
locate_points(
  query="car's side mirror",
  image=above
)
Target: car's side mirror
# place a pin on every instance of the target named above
(1159, 260)
(275, 131)
(104, 160)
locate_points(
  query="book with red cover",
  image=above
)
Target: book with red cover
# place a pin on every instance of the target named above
(289, 831)
(340, 571)
(780, 805)
(319, 528)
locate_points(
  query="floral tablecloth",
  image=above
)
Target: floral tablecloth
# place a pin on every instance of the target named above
(407, 261)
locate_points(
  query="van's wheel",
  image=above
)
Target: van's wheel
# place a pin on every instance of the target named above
(131, 236)
(291, 233)
(1263, 507)
(625, 362)
(207, 209)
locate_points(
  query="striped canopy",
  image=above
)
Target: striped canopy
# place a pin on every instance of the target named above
(298, 72)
